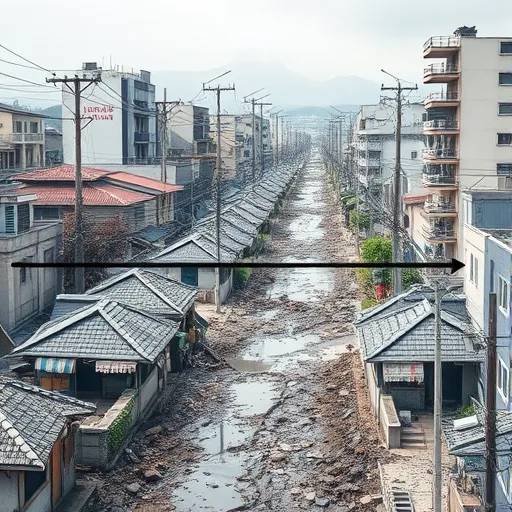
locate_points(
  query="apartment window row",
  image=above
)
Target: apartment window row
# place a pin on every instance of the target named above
(26, 127)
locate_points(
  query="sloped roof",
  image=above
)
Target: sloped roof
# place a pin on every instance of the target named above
(31, 420)
(19, 111)
(142, 181)
(149, 291)
(407, 334)
(97, 194)
(105, 330)
(61, 173)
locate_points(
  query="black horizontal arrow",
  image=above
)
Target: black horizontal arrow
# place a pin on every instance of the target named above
(454, 265)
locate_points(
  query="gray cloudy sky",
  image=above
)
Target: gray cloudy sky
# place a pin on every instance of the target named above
(319, 39)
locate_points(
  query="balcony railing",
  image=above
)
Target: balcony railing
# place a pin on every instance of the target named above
(440, 69)
(441, 124)
(363, 145)
(22, 138)
(436, 207)
(439, 179)
(369, 162)
(442, 42)
(442, 96)
(142, 136)
(438, 233)
(440, 154)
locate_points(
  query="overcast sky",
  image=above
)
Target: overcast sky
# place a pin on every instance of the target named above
(319, 39)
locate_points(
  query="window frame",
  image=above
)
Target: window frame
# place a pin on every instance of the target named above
(503, 293)
(414, 155)
(507, 143)
(500, 172)
(502, 74)
(501, 103)
(473, 270)
(501, 47)
(502, 367)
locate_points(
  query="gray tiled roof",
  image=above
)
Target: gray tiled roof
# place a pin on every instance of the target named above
(149, 291)
(471, 441)
(407, 335)
(31, 420)
(107, 330)
(67, 303)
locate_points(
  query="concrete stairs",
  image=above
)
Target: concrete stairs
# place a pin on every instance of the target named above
(413, 437)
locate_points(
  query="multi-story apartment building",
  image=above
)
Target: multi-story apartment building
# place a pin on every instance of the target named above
(189, 130)
(374, 139)
(468, 131)
(121, 110)
(25, 292)
(21, 139)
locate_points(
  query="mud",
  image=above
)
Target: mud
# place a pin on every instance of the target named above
(287, 422)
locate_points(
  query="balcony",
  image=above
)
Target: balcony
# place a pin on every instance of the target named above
(364, 145)
(440, 73)
(439, 234)
(446, 155)
(143, 137)
(440, 126)
(439, 209)
(22, 138)
(368, 162)
(435, 177)
(441, 47)
(442, 99)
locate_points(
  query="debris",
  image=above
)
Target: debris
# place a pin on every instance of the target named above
(153, 431)
(286, 447)
(314, 455)
(133, 488)
(322, 502)
(295, 490)
(277, 457)
(344, 392)
(310, 496)
(365, 500)
(152, 475)
(346, 414)
(131, 457)
(306, 444)
(331, 387)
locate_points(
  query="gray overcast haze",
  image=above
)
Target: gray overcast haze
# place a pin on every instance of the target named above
(318, 40)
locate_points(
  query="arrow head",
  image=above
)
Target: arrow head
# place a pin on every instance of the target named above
(457, 265)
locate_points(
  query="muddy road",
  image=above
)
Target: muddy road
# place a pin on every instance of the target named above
(286, 426)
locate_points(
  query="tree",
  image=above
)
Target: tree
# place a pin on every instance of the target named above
(359, 220)
(104, 241)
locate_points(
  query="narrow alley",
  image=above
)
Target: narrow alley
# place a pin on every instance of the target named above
(286, 423)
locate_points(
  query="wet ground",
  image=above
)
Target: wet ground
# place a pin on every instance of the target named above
(285, 425)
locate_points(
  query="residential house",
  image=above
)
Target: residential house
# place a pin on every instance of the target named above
(140, 201)
(25, 292)
(463, 153)
(53, 148)
(397, 341)
(22, 139)
(111, 353)
(37, 446)
(123, 129)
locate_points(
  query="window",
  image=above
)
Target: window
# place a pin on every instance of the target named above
(49, 256)
(506, 48)
(46, 213)
(505, 79)
(503, 379)
(34, 480)
(505, 109)
(23, 217)
(247, 153)
(23, 275)
(414, 154)
(504, 169)
(503, 294)
(473, 270)
(34, 127)
(18, 127)
(504, 139)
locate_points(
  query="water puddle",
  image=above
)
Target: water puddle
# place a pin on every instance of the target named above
(306, 227)
(266, 349)
(303, 284)
(245, 366)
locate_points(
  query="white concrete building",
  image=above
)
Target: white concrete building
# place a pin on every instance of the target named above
(469, 132)
(189, 130)
(25, 292)
(121, 111)
(375, 144)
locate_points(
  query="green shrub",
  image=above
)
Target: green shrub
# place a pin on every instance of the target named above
(368, 303)
(359, 220)
(365, 279)
(465, 411)
(242, 276)
(411, 276)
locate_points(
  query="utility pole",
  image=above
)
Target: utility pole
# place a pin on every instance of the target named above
(253, 102)
(218, 90)
(164, 109)
(397, 199)
(262, 156)
(277, 139)
(490, 416)
(77, 91)
(438, 401)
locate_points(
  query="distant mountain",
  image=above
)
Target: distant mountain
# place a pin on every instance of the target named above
(288, 89)
(312, 111)
(55, 112)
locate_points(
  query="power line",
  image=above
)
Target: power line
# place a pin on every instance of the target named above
(26, 60)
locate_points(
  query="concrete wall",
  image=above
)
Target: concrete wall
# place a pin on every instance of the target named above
(9, 490)
(407, 398)
(20, 301)
(389, 422)
(480, 123)
(42, 502)
(149, 390)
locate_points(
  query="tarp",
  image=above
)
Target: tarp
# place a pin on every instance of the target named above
(201, 321)
(403, 372)
(116, 366)
(54, 365)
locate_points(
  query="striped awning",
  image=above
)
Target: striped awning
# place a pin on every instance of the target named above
(55, 365)
(116, 366)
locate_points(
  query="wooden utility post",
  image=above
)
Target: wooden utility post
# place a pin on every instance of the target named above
(164, 110)
(490, 415)
(77, 91)
(218, 90)
(262, 156)
(397, 179)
